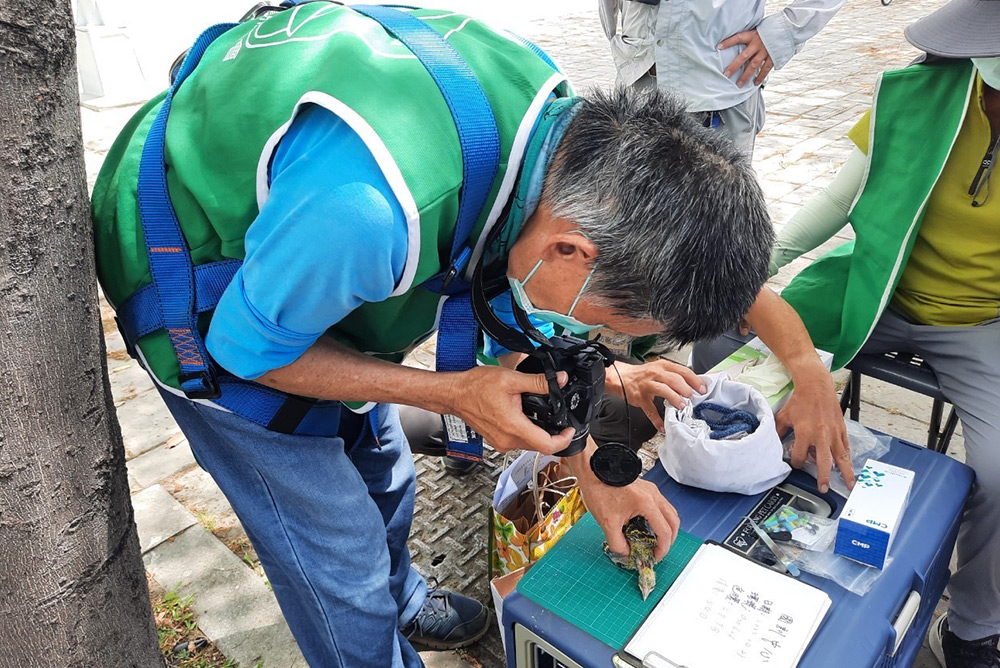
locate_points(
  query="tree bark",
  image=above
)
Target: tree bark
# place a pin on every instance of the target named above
(72, 585)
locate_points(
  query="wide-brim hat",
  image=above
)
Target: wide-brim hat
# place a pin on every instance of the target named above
(960, 29)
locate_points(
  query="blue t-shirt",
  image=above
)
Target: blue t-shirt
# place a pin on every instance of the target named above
(330, 237)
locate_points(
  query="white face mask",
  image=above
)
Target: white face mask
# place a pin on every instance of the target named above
(989, 70)
(564, 320)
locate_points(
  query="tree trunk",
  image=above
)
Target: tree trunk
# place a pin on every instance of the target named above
(72, 585)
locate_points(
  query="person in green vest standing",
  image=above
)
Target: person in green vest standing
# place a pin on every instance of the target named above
(923, 273)
(298, 212)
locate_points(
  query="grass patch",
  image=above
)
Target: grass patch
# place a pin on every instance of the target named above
(182, 644)
(207, 520)
(241, 547)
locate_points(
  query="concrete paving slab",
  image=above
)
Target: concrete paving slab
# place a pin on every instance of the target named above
(128, 380)
(233, 606)
(901, 426)
(145, 423)
(196, 491)
(896, 399)
(161, 462)
(158, 517)
(115, 347)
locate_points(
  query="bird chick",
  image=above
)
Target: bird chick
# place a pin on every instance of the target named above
(642, 543)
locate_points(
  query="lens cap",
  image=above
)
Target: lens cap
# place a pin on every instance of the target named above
(615, 464)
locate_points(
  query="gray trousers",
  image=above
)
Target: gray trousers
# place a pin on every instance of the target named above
(741, 123)
(966, 361)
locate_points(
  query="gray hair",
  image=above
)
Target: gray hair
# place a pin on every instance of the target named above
(675, 210)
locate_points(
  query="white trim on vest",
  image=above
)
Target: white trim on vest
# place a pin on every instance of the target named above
(514, 164)
(173, 390)
(384, 159)
(890, 286)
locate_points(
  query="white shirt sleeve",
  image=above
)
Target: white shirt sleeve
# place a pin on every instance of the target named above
(632, 48)
(822, 216)
(784, 33)
(608, 10)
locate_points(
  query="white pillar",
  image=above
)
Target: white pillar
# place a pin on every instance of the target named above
(109, 69)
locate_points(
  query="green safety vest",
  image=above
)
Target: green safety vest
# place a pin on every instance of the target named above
(916, 116)
(229, 115)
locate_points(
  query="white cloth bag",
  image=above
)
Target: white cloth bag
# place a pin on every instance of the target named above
(747, 465)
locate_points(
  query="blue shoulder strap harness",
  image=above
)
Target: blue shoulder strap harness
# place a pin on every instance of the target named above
(179, 292)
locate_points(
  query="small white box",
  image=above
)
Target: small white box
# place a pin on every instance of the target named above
(872, 514)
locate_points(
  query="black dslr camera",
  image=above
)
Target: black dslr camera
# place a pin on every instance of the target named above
(571, 405)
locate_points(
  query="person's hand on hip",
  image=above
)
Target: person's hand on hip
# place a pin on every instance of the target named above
(754, 58)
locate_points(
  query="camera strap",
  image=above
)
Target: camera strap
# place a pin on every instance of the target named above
(507, 336)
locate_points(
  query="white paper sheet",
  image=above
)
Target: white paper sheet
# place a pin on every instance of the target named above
(725, 610)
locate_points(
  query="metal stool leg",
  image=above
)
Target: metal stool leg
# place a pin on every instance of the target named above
(947, 432)
(934, 430)
(855, 395)
(845, 395)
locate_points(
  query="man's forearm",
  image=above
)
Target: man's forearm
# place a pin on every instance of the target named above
(329, 370)
(579, 464)
(780, 328)
(813, 411)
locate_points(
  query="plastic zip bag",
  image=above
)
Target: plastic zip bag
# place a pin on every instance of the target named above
(865, 445)
(853, 576)
(808, 531)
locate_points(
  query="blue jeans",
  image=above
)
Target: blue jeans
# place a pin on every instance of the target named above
(329, 518)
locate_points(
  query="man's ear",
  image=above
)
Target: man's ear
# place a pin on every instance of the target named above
(569, 246)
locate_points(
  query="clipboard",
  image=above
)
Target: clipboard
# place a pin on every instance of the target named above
(623, 659)
(808, 604)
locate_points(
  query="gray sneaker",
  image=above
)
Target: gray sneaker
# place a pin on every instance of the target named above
(447, 621)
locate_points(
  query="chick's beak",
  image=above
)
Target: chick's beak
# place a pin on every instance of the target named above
(645, 591)
(647, 579)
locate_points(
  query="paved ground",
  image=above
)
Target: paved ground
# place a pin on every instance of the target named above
(191, 538)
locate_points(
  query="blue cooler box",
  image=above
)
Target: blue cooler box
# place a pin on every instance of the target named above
(882, 629)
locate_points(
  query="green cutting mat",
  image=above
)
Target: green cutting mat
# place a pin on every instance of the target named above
(577, 581)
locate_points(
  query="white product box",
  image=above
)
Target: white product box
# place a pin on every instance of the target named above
(873, 511)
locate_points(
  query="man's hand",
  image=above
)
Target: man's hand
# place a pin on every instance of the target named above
(613, 507)
(813, 410)
(814, 413)
(754, 59)
(489, 400)
(641, 384)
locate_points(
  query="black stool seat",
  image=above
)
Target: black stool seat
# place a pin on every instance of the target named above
(908, 371)
(903, 369)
